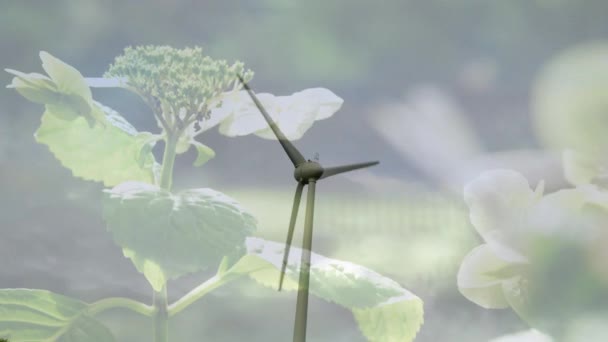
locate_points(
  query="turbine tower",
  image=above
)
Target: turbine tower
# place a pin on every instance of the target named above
(306, 172)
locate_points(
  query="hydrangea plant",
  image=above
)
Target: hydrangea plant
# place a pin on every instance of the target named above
(168, 233)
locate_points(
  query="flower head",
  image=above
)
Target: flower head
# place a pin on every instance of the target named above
(179, 84)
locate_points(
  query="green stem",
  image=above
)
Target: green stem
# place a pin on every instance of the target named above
(166, 174)
(161, 316)
(220, 279)
(160, 302)
(198, 292)
(117, 302)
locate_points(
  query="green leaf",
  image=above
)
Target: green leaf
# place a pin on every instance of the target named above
(151, 270)
(383, 309)
(41, 89)
(65, 88)
(396, 320)
(183, 143)
(180, 233)
(146, 142)
(72, 86)
(39, 315)
(35, 87)
(67, 78)
(110, 153)
(204, 153)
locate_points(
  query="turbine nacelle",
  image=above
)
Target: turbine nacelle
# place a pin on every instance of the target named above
(307, 171)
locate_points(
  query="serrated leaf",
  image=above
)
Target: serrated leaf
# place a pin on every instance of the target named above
(396, 320)
(37, 315)
(110, 153)
(181, 233)
(383, 309)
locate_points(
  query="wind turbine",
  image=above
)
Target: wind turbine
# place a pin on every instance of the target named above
(306, 172)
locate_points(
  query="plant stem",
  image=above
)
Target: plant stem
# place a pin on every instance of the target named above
(117, 302)
(198, 292)
(221, 278)
(161, 316)
(166, 174)
(160, 302)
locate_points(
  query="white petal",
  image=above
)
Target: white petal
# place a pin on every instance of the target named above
(245, 117)
(294, 118)
(473, 282)
(581, 168)
(508, 246)
(294, 114)
(499, 200)
(328, 103)
(560, 215)
(229, 103)
(594, 195)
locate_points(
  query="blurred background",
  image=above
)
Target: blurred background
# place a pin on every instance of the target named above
(436, 90)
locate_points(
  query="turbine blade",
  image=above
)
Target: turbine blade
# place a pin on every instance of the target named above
(292, 223)
(292, 152)
(299, 331)
(331, 171)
